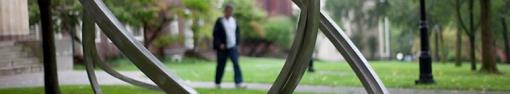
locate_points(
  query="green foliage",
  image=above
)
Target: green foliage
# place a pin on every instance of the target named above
(200, 6)
(200, 12)
(341, 7)
(134, 12)
(404, 14)
(372, 46)
(249, 17)
(165, 40)
(33, 12)
(280, 30)
(358, 10)
(500, 12)
(66, 14)
(404, 17)
(402, 40)
(362, 17)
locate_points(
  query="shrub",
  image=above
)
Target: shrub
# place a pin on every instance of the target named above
(248, 15)
(280, 30)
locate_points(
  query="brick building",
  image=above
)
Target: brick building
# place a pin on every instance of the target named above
(276, 7)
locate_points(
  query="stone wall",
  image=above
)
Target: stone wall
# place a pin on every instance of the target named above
(17, 59)
(14, 17)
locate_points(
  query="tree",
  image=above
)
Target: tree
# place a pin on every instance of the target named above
(362, 19)
(151, 15)
(471, 31)
(141, 14)
(472, 34)
(488, 49)
(501, 7)
(458, 50)
(500, 10)
(66, 17)
(439, 16)
(462, 27)
(66, 14)
(505, 39)
(403, 17)
(249, 17)
(200, 12)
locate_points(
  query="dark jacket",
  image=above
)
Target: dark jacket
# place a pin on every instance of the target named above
(220, 36)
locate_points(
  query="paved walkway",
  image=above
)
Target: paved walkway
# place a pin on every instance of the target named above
(80, 78)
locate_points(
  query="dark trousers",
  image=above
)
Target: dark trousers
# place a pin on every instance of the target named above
(310, 65)
(221, 62)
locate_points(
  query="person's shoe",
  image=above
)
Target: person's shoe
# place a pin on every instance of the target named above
(311, 70)
(218, 86)
(240, 85)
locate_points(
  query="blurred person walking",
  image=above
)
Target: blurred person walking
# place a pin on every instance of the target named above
(225, 42)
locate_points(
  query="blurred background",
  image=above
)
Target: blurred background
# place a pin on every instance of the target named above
(179, 33)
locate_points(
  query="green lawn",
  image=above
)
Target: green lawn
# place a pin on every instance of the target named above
(393, 74)
(120, 90)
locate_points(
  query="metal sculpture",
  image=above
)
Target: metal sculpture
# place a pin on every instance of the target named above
(311, 20)
(344, 45)
(133, 49)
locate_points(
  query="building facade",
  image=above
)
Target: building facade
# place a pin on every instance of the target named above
(13, 19)
(276, 7)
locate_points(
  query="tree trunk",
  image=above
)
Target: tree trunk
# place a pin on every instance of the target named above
(152, 32)
(73, 46)
(458, 51)
(463, 27)
(488, 56)
(472, 35)
(161, 53)
(196, 40)
(73, 52)
(472, 52)
(145, 35)
(505, 39)
(442, 50)
(436, 45)
(194, 52)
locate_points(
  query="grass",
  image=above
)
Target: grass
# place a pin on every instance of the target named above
(116, 89)
(394, 74)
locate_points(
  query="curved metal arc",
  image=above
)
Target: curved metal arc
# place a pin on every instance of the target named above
(289, 63)
(287, 68)
(140, 56)
(301, 51)
(90, 52)
(88, 26)
(353, 56)
(355, 59)
(122, 77)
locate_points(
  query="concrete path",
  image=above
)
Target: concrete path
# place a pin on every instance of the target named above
(80, 78)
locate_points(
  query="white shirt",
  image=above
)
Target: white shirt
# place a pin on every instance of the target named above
(230, 31)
